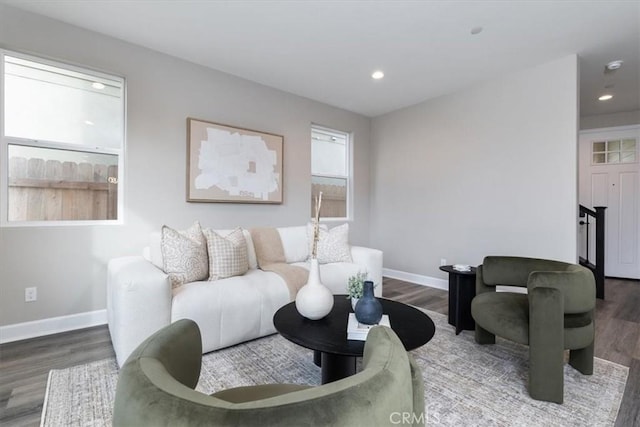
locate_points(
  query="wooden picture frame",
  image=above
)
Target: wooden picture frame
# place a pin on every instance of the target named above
(227, 164)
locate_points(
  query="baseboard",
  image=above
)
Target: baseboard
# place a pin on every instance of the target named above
(419, 279)
(53, 325)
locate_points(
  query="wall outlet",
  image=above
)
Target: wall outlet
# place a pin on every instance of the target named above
(443, 261)
(30, 294)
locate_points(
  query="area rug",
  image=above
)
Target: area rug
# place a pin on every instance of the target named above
(465, 384)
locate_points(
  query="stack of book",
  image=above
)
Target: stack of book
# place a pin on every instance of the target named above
(358, 331)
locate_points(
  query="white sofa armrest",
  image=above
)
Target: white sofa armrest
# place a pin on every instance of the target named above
(138, 302)
(371, 260)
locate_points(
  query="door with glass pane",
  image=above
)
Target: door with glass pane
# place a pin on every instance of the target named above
(609, 170)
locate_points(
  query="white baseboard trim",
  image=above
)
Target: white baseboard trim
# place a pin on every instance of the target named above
(52, 325)
(55, 325)
(419, 279)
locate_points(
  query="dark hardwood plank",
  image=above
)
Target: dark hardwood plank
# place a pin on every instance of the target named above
(24, 365)
(628, 302)
(629, 413)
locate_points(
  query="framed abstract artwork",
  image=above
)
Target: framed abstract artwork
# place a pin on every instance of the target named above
(232, 165)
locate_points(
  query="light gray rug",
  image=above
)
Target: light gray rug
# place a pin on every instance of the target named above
(465, 384)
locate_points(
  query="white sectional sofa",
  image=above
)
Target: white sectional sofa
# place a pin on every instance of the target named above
(228, 311)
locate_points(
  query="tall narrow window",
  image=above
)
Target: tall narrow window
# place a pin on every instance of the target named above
(62, 142)
(331, 171)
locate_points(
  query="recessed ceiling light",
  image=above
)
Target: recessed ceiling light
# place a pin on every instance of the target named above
(476, 30)
(377, 75)
(88, 122)
(605, 97)
(614, 65)
(97, 85)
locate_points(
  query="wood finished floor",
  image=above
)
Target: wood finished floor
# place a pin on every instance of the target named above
(24, 365)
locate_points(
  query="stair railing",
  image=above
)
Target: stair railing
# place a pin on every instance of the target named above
(590, 217)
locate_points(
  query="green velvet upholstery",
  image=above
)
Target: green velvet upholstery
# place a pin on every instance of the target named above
(555, 315)
(156, 388)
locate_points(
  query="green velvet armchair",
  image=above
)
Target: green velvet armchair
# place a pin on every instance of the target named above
(156, 388)
(555, 315)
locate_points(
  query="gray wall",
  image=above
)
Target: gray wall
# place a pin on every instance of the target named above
(625, 118)
(68, 264)
(488, 170)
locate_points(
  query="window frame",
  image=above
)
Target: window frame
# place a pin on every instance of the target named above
(349, 137)
(6, 141)
(607, 152)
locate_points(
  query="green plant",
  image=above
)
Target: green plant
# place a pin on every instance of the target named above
(355, 284)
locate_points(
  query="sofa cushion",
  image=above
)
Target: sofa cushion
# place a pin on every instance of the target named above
(231, 310)
(294, 243)
(333, 244)
(184, 254)
(227, 254)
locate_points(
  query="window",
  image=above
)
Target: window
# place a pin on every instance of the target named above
(62, 142)
(330, 171)
(614, 151)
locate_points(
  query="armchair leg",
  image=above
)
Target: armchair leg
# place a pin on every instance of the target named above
(546, 373)
(582, 359)
(546, 345)
(483, 336)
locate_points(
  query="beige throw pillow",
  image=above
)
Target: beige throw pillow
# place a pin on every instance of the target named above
(228, 255)
(333, 244)
(184, 254)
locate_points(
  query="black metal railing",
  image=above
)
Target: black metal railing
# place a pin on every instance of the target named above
(596, 217)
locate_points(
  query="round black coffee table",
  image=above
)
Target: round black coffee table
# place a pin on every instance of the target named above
(328, 336)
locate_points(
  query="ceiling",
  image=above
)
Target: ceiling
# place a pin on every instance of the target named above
(327, 50)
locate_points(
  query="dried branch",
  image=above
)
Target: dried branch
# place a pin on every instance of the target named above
(316, 226)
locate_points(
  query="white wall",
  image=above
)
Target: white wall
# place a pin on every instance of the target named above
(488, 170)
(68, 264)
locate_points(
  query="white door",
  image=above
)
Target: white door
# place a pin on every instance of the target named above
(609, 170)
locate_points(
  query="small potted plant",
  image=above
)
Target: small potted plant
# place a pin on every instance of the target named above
(354, 287)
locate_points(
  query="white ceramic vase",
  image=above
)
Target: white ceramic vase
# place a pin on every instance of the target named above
(314, 300)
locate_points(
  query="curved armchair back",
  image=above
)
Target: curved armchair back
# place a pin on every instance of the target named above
(576, 282)
(153, 390)
(514, 271)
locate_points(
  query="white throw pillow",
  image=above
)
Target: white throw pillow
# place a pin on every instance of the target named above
(295, 243)
(184, 254)
(228, 255)
(251, 251)
(333, 244)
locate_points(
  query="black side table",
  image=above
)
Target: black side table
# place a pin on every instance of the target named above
(462, 289)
